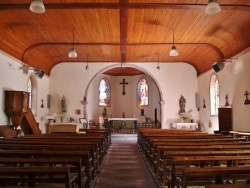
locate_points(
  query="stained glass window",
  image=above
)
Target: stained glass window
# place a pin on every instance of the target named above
(214, 95)
(104, 93)
(29, 89)
(142, 92)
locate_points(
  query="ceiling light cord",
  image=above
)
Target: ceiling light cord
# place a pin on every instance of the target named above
(72, 53)
(158, 69)
(87, 66)
(173, 51)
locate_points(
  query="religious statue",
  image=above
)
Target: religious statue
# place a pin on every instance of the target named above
(63, 103)
(104, 114)
(182, 102)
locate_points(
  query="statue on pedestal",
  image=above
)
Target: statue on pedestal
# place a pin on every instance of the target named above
(63, 103)
(182, 102)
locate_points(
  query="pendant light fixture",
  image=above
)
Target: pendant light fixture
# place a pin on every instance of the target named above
(158, 69)
(87, 66)
(72, 53)
(213, 7)
(37, 6)
(173, 52)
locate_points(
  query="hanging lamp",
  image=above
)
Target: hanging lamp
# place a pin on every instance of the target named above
(173, 52)
(212, 7)
(158, 69)
(72, 53)
(87, 66)
(37, 6)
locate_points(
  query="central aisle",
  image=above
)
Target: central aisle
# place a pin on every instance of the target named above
(124, 165)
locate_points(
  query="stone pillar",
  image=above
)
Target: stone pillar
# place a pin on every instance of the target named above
(162, 104)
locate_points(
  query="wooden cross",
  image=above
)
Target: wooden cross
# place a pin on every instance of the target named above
(123, 83)
(247, 101)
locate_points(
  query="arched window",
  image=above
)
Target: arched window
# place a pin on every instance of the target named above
(29, 89)
(32, 89)
(142, 92)
(214, 94)
(104, 93)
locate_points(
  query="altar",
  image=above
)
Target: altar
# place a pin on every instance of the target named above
(123, 124)
(193, 126)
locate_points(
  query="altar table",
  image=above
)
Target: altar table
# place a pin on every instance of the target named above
(193, 126)
(123, 124)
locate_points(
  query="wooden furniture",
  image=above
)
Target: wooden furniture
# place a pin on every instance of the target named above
(193, 126)
(225, 172)
(123, 124)
(63, 128)
(17, 109)
(225, 119)
(8, 131)
(32, 174)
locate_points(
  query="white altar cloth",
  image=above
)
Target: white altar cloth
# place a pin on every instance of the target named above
(193, 126)
(122, 119)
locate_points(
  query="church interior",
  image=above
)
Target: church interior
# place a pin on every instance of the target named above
(159, 79)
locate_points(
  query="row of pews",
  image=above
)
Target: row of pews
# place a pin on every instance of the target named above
(69, 158)
(181, 158)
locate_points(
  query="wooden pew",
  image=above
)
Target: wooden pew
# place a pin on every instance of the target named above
(32, 174)
(155, 145)
(84, 155)
(149, 139)
(60, 139)
(224, 172)
(156, 152)
(179, 162)
(71, 162)
(153, 160)
(162, 168)
(59, 142)
(228, 186)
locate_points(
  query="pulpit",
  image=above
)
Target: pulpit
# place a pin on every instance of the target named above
(17, 109)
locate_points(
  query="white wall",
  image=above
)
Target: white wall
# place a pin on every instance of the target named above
(123, 103)
(234, 80)
(71, 80)
(13, 79)
(176, 79)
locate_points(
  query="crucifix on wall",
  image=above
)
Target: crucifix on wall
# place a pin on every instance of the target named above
(247, 101)
(123, 86)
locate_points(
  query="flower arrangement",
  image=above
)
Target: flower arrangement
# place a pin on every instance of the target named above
(184, 116)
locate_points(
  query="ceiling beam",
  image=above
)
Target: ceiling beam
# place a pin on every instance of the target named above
(217, 50)
(122, 6)
(123, 30)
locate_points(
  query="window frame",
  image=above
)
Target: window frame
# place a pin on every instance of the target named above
(137, 92)
(33, 80)
(109, 93)
(213, 111)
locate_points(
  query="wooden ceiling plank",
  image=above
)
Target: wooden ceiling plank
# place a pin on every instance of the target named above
(123, 30)
(124, 6)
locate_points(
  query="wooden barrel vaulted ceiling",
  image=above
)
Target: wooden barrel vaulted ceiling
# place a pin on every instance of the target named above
(124, 31)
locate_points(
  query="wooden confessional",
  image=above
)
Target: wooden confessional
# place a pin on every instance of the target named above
(17, 109)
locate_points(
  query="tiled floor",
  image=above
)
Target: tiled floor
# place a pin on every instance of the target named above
(124, 166)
